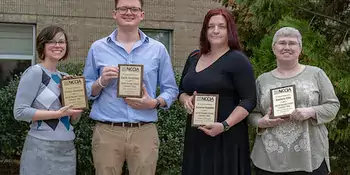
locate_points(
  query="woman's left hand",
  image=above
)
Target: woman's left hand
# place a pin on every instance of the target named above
(303, 114)
(212, 129)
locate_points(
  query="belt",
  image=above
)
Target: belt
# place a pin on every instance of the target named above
(124, 124)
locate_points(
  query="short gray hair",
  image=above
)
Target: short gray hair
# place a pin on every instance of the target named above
(287, 32)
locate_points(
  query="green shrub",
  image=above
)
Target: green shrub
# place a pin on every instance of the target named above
(171, 125)
(12, 133)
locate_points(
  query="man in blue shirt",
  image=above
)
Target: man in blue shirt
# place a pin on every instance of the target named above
(125, 129)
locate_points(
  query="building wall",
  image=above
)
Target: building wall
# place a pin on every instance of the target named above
(88, 20)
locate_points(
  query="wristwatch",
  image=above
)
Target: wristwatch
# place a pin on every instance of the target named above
(226, 126)
(157, 104)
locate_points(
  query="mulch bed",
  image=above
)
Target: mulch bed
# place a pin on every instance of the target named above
(9, 167)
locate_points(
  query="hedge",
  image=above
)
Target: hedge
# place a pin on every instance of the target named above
(171, 125)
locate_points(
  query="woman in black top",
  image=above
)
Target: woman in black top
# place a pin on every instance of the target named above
(220, 68)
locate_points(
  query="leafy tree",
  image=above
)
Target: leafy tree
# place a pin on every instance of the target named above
(329, 17)
(325, 28)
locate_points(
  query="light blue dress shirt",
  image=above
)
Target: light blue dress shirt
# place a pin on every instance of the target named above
(157, 71)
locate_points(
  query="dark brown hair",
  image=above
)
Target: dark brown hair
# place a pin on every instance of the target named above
(45, 36)
(116, 3)
(232, 34)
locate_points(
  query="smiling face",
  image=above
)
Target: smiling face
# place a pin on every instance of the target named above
(217, 31)
(287, 48)
(128, 13)
(56, 48)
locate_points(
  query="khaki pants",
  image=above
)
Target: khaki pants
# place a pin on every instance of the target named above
(112, 145)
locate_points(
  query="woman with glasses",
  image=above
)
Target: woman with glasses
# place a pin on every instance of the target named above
(49, 146)
(296, 144)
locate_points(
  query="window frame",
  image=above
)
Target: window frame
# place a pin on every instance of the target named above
(170, 31)
(22, 57)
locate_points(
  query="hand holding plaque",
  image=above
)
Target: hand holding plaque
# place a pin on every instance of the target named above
(283, 101)
(130, 80)
(73, 92)
(205, 109)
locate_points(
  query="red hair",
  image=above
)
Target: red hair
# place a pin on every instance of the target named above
(232, 34)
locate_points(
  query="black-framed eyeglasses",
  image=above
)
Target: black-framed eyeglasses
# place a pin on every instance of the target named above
(54, 42)
(123, 10)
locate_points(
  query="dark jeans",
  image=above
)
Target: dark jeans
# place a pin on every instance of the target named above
(322, 170)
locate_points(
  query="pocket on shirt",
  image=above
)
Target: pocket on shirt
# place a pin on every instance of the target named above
(150, 65)
(150, 69)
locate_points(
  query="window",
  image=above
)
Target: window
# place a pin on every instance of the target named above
(163, 36)
(17, 50)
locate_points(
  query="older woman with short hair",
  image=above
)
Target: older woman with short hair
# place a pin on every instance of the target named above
(296, 144)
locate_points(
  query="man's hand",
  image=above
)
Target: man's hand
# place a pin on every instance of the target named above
(146, 102)
(108, 73)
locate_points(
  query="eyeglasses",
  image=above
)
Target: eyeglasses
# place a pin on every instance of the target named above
(123, 10)
(53, 42)
(284, 44)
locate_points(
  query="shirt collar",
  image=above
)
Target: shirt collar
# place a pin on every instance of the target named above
(112, 36)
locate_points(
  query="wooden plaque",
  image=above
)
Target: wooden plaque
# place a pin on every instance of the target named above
(205, 109)
(73, 92)
(283, 100)
(130, 80)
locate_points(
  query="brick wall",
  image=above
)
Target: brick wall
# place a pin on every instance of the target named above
(88, 20)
